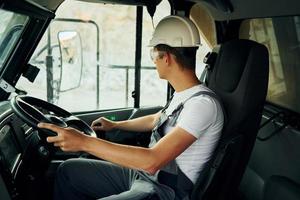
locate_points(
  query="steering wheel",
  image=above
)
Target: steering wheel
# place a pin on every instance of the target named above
(33, 111)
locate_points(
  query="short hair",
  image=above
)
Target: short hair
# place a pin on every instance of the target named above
(185, 56)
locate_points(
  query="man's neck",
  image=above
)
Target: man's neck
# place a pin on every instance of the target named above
(184, 81)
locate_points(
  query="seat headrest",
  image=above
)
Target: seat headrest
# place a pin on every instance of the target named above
(240, 78)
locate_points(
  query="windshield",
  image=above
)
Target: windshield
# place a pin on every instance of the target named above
(11, 26)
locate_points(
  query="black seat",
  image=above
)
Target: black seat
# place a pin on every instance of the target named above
(240, 78)
(279, 187)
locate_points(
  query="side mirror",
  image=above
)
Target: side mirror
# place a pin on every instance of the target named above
(71, 59)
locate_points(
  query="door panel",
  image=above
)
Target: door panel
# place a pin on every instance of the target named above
(275, 157)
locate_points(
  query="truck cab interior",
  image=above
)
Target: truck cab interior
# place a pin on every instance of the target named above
(252, 53)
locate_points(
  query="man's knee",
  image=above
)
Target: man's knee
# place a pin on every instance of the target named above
(67, 169)
(68, 182)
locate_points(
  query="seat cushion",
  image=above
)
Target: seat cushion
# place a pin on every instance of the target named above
(279, 187)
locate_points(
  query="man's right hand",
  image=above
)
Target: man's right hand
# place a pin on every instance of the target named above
(103, 124)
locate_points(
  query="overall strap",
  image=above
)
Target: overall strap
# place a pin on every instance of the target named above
(167, 104)
(162, 118)
(214, 96)
(175, 114)
(208, 93)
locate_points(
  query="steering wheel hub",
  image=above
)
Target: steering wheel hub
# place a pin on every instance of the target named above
(56, 120)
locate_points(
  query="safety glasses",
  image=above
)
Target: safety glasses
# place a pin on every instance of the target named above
(154, 54)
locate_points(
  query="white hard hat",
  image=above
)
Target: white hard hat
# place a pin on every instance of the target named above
(175, 31)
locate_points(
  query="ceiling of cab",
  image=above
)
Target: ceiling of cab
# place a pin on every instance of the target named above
(127, 2)
(53, 4)
(50, 5)
(243, 9)
(219, 9)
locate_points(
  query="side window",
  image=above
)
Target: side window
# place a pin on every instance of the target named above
(153, 89)
(86, 59)
(86, 63)
(11, 25)
(282, 38)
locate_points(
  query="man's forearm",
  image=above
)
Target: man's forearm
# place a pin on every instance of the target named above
(129, 156)
(141, 124)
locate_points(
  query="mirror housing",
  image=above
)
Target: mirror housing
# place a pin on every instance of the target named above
(71, 60)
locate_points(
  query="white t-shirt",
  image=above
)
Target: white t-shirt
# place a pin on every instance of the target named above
(201, 117)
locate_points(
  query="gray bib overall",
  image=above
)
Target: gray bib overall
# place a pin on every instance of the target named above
(171, 175)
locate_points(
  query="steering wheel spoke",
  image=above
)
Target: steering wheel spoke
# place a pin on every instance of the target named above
(79, 124)
(34, 112)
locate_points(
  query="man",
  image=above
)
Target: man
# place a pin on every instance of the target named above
(184, 133)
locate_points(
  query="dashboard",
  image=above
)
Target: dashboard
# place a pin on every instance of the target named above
(18, 153)
(10, 153)
(27, 162)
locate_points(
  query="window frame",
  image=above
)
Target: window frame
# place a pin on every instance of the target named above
(37, 23)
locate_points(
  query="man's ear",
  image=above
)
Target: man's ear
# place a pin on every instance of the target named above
(168, 59)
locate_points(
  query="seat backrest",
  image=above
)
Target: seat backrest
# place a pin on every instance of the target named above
(240, 78)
